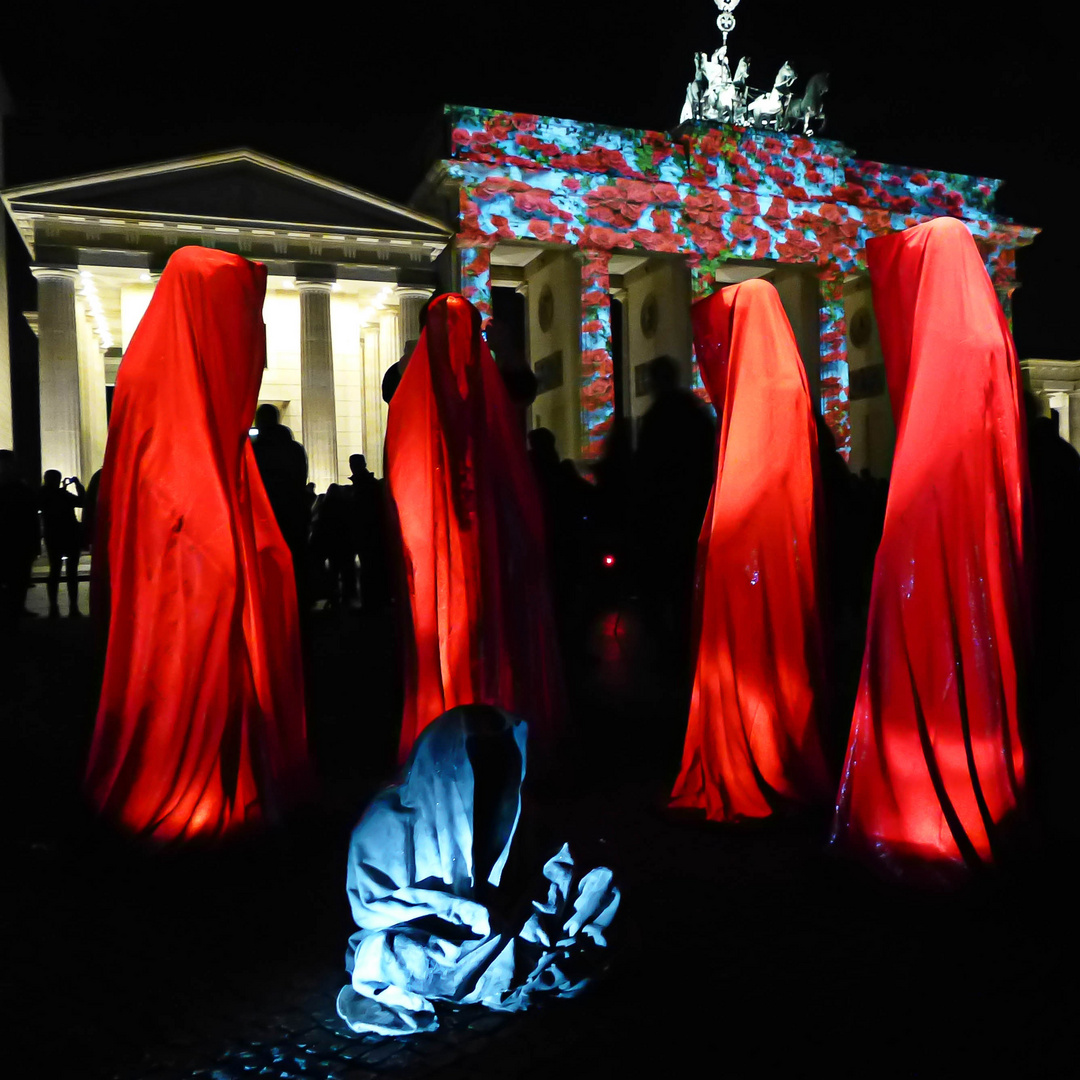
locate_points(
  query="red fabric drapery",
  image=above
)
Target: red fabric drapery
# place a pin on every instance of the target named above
(753, 736)
(934, 760)
(200, 727)
(472, 531)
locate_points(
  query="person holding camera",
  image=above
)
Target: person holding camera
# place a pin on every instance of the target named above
(63, 538)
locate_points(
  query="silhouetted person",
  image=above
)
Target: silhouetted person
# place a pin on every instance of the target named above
(62, 536)
(567, 502)
(394, 372)
(283, 468)
(673, 467)
(89, 514)
(517, 376)
(19, 538)
(369, 533)
(846, 565)
(545, 462)
(333, 541)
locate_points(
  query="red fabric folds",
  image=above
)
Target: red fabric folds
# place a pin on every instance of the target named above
(472, 535)
(753, 738)
(200, 727)
(934, 761)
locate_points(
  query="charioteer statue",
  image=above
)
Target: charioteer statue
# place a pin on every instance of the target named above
(714, 96)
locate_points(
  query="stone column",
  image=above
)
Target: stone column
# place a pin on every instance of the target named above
(92, 410)
(1074, 418)
(597, 382)
(319, 417)
(476, 279)
(58, 370)
(410, 301)
(371, 396)
(835, 377)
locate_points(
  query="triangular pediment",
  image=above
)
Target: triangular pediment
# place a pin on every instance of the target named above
(235, 186)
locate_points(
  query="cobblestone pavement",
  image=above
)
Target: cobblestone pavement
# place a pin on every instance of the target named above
(737, 951)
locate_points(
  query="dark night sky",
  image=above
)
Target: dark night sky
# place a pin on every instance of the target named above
(354, 91)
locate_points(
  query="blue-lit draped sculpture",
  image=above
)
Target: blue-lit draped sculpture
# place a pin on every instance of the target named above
(425, 865)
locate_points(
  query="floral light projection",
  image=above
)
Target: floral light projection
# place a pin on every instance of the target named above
(832, 335)
(597, 387)
(713, 195)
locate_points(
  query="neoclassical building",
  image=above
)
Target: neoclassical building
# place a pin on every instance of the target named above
(348, 273)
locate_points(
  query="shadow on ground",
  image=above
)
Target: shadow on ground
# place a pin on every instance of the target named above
(737, 951)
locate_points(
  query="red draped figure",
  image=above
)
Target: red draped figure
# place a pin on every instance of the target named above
(472, 535)
(753, 739)
(200, 728)
(934, 762)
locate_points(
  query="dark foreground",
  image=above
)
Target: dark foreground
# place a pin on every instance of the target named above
(737, 951)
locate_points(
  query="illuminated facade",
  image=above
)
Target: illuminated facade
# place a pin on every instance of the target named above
(578, 214)
(348, 273)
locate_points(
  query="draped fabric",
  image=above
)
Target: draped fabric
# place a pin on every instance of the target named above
(753, 738)
(200, 728)
(425, 884)
(934, 761)
(472, 535)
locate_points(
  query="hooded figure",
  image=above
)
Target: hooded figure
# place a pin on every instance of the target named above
(200, 728)
(425, 867)
(934, 762)
(753, 738)
(472, 535)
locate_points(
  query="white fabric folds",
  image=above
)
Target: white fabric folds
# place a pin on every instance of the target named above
(425, 865)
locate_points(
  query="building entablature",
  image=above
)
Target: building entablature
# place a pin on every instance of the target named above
(1050, 373)
(238, 201)
(709, 193)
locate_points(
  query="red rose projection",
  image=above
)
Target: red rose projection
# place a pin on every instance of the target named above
(934, 763)
(753, 737)
(200, 728)
(471, 526)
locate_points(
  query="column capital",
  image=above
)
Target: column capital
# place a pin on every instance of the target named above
(44, 271)
(314, 285)
(593, 255)
(416, 292)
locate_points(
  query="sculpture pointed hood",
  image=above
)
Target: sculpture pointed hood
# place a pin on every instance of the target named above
(200, 726)
(934, 763)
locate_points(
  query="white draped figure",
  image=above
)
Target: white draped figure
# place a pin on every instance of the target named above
(426, 863)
